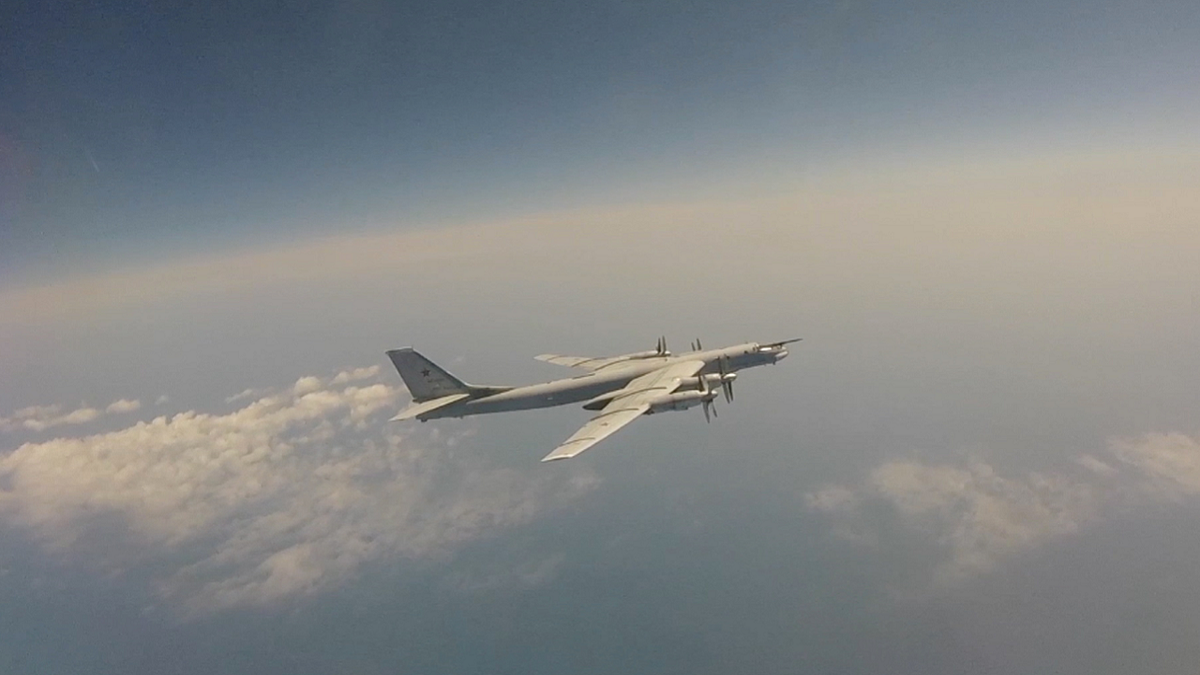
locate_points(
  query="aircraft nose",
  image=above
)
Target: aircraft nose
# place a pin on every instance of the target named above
(781, 354)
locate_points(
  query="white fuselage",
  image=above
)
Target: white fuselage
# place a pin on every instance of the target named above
(606, 379)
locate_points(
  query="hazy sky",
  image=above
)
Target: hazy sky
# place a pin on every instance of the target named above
(136, 130)
(984, 221)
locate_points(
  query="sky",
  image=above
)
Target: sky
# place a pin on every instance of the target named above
(983, 221)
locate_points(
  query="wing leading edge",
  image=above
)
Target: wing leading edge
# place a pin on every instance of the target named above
(585, 362)
(627, 404)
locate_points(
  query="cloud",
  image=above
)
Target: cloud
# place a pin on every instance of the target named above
(978, 517)
(355, 375)
(243, 395)
(1171, 461)
(42, 417)
(306, 385)
(37, 412)
(285, 497)
(123, 406)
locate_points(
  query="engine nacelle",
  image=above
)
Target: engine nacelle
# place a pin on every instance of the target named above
(679, 401)
(713, 380)
(688, 385)
(640, 355)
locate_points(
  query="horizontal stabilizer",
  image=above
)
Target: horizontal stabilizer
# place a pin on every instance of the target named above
(418, 409)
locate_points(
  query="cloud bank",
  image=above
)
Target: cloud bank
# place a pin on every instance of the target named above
(978, 517)
(287, 496)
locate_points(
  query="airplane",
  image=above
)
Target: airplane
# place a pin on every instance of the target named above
(622, 388)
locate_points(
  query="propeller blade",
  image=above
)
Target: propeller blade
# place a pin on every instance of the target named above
(698, 345)
(706, 398)
(726, 383)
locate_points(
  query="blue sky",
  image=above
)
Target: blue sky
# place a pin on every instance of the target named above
(982, 220)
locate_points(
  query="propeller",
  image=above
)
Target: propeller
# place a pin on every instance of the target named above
(726, 381)
(661, 347)
(696, 346)
(710, 410)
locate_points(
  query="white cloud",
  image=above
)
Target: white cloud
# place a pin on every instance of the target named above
(306, 385)
(123, 406)
(42, 417)
(1096, 466)
(1171, 460)
(79, 416)
(287, 496)
(37, 412)
(356, 374)
(979, 517)
(242, 395)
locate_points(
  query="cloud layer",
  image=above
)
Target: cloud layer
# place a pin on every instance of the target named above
(978, 517)
(286, 496)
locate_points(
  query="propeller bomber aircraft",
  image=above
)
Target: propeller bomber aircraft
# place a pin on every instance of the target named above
(622, 388)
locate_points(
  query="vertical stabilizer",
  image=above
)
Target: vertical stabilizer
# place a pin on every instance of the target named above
(425, 379)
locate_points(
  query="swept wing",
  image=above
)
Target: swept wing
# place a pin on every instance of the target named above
(596, 363)
(585, 362)
(627, 405)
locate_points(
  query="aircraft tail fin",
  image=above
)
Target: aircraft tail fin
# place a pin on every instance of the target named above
(425, 379)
